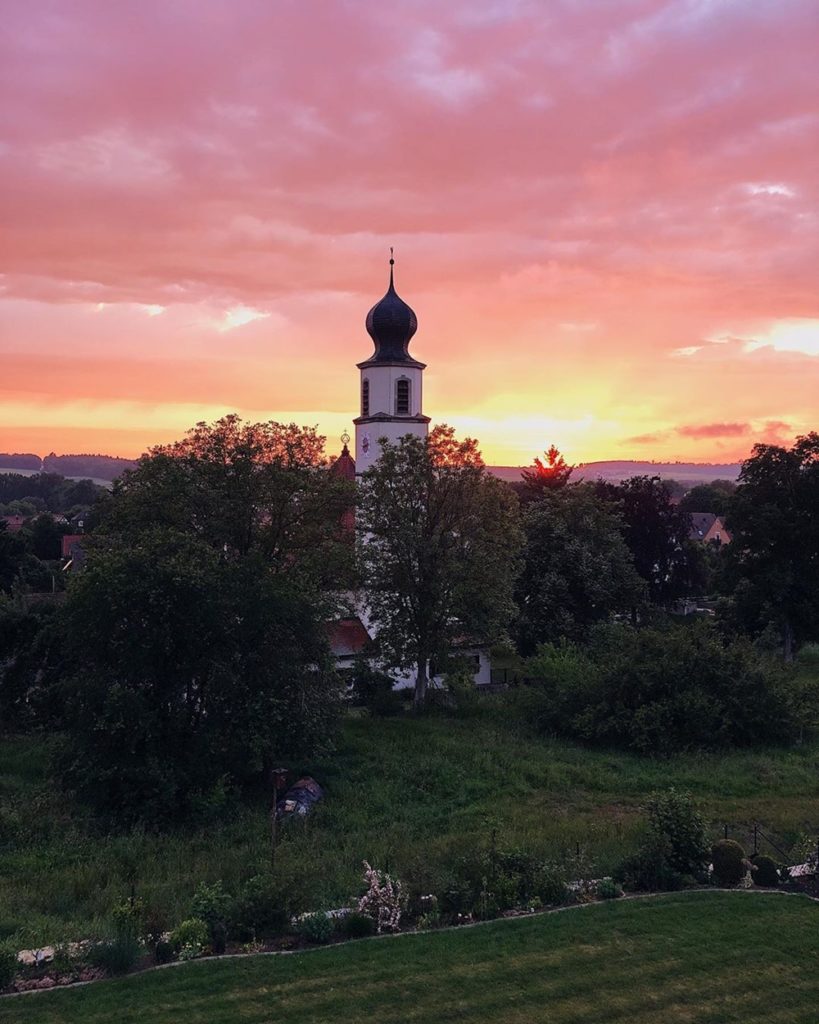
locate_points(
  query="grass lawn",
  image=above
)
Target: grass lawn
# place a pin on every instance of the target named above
(407, 794)
(698, 958)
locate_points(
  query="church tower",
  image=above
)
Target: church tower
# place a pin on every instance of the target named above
(391, 388)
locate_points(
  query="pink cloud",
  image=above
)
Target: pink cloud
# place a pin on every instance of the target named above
(640, 167)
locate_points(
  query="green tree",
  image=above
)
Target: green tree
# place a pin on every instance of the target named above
(657, 533)
(242, 488)
(577, 569)
(773, 561)
(12, 552)
(712, 497)
(193, 671)
(439, 541)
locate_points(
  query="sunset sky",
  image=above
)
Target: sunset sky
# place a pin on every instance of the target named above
(604, 215)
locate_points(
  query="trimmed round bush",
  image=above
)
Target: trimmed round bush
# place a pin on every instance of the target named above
(728, 859)
(765, 871)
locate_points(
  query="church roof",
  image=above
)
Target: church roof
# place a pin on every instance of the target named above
(391, 324)
(344, 466)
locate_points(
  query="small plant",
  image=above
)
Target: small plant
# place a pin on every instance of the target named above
(211, 904)
(317, 928)
(384, 899)
(358, 926)
(534, 904)
(189, 938)
(765, 871)
(729, 863)
(608, 889)
(8, 967)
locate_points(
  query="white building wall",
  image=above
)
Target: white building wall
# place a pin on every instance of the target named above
(382, 381)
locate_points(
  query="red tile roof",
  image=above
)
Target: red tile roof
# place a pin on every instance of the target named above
(347, 637)
(69, 540)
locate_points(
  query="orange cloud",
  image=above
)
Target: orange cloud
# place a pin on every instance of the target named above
(604, 216)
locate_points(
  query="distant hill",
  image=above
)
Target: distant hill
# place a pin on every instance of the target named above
(617, 471)
(81, 467)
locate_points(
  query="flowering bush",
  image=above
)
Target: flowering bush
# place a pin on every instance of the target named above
(189, 938)
(383, 901)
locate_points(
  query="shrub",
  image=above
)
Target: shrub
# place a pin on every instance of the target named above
(729, 864)
(384, 899)
(262, 908)
(358, 926)
(317, 928)
(765, 871)
(608, 889)
(373, 689)
(163, 952)
(549, 884)
(211, 904)
(659, 690)
(189, 938)
(8, 967)
(675, 819)
(117, 956)
(649, 869)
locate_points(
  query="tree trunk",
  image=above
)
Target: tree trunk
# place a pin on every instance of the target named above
(421, 683)
(787, 641)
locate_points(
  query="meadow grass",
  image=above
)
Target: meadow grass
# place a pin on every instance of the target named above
(698, 958)
(407, 794)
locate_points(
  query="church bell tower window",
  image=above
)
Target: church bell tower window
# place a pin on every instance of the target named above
(402, 397)
(365, 397)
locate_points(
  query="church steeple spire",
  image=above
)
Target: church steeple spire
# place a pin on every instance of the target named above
(391, 380)
(391, 323)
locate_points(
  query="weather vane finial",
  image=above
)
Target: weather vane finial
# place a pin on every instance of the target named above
(392, 260)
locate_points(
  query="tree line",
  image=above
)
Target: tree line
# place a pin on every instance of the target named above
(191, 655)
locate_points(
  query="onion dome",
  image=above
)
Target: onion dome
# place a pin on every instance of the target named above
(391, 324)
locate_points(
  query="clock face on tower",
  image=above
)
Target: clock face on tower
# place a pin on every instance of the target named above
(365, 443)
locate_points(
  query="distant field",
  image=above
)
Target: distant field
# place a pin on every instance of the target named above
(408, 794)
(696, 958)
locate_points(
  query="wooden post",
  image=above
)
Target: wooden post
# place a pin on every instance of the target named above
(756, 838)
(726, 831)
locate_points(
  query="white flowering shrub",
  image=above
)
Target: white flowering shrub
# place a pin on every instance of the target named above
(383, 901)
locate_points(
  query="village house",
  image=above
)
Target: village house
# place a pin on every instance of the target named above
(708, 529)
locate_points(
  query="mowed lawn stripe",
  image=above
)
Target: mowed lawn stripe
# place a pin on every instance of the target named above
(699, 958)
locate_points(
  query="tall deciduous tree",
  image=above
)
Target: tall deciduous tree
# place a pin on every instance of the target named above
(193, 670)
(774, 555)
(657, 533)
(577, 569)
(242, 488)
(439, 541)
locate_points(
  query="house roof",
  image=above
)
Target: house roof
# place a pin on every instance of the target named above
(348, 637)
(69, 540)
(701, 523)
(344, 466)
